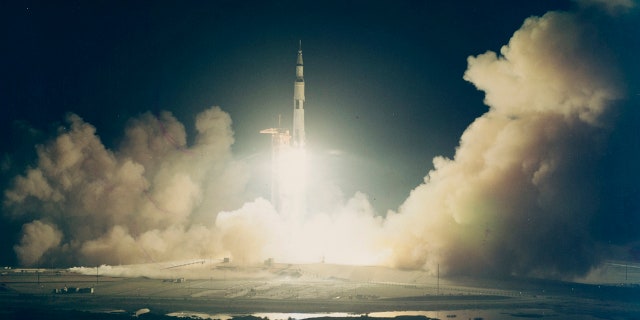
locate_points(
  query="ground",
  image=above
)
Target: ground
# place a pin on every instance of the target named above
(219, 290)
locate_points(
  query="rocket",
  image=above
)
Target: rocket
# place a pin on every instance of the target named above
(298, 103)
(288, 164)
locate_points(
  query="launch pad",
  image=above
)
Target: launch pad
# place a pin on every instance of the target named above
(215, 288)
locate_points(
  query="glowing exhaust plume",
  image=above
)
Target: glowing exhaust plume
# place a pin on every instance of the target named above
(292, 177)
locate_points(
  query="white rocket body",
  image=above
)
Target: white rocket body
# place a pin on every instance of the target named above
(298, 104)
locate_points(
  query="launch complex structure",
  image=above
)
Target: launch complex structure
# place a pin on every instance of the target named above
(288, 156)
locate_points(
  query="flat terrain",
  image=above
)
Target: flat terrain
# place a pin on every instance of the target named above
(223, 289)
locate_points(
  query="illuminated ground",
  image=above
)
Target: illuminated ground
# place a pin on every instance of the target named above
(219, 288)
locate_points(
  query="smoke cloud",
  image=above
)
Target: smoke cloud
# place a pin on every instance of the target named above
(154, 199)
(521, 192)
(37, 238)
(611, 6)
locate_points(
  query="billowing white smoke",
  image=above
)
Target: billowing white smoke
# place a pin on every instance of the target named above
(520, 193)
(157, 199)
(154, 199)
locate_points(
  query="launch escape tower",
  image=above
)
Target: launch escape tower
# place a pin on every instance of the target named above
(282, 142)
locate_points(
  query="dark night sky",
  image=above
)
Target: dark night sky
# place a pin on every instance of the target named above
(383, 78)
(383, 81)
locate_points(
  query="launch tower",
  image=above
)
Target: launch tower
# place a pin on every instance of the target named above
(280, 142)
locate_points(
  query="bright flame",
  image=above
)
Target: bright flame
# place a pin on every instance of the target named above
(340, 236)
(292, 179)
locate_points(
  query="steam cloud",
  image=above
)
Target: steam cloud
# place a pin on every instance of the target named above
(144, 203)
(521, 193)
(518, 197)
